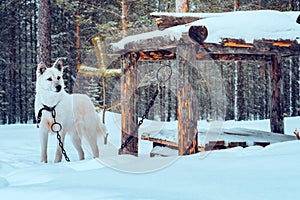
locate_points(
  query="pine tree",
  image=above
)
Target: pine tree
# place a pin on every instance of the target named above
(44, 30)
(93, 91)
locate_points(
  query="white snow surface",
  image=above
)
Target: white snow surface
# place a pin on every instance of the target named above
(246, 25)
(238, 173)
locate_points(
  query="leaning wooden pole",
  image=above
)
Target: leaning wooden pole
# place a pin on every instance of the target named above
(187, 100)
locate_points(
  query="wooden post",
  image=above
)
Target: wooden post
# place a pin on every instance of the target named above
(187, 100)
(276, 115)
(129, 98)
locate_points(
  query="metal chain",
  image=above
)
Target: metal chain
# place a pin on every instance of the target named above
(59, 127)
(167, 73)
(151, 103)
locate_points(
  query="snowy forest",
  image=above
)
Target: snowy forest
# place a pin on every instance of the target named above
(73, 25)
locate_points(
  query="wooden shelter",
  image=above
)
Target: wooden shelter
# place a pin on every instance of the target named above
(190, 38)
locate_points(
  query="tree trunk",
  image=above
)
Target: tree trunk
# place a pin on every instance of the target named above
(125, 16)
(295, 5)
(44, 32)
(77, 35)
(25, 101)
(295, 86)
(236, 5)
(12, 92)
(259, 4)
(34, 47)
(240, 92)
(229, 84)
(286, 86)
(182, 6)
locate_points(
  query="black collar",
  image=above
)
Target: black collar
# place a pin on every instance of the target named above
(47, 108)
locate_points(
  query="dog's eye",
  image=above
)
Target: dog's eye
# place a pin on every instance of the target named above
(58, 77)
(49, 79)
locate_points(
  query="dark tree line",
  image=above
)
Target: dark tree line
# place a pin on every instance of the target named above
(74, 23)
(18, 57)
(18, 41)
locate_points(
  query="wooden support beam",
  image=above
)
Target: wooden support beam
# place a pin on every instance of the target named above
(157, 55)
(187, 101)
(276, 115)
(233, 56)
(228, 42)
(129, 99)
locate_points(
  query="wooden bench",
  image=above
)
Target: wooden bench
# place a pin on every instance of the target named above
(163, 143)
(215, 145)
(263, 144)
(237, 144)
(167, 139)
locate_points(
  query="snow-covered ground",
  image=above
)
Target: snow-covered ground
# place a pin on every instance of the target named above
(249, 173)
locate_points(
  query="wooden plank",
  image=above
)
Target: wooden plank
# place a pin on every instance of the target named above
(157, 55)
(237, 144)
(163, 48)
(227, 42)
(263, 144)
(129, 97)
(215, 145)
(221, 142)
(164, 143)
(160, 141)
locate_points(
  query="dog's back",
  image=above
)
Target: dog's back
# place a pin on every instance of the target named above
(84, 112)
(87, 122)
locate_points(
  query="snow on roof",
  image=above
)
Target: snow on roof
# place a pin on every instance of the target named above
(195, 15)
(251, 25)
(246, 25)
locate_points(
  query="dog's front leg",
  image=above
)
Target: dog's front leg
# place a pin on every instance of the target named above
(44, 144)
(58, 155)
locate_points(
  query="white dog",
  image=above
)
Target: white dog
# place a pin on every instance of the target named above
(75, 113)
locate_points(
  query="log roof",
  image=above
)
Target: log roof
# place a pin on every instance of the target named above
(263, 29)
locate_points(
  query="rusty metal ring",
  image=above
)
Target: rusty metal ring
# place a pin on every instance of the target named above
(164, 75)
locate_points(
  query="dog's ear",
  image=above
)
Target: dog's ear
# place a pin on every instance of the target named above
(40, 69)
(58, 65)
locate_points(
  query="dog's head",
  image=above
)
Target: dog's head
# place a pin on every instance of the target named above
(50, 79)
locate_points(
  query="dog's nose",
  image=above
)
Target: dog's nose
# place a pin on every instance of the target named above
(58, 88)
